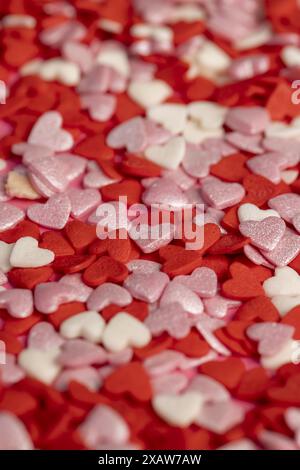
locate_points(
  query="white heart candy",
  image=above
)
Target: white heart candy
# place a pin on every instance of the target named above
(88, 325)
(285, 303)
(290, 55)
(169, 155)
(285, 282)
(27, 254)
(252, 212)
(5, 252)
(171, 116)
(288, 354)
(195, 134)
(149, 93)
(207, 115)
(178, 410)
(40, 365)
(124, 331)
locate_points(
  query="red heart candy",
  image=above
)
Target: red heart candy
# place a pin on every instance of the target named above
(243, 285)
(228, 244)
(105, 269)
(132, 379)
(28, 278)
(129, 188)
(23, 229)
(258, 308)
(73, 264)
(119, 249)
(55, 242)
(231, 168)
(228, 372)
(80, 234)
(137, 166)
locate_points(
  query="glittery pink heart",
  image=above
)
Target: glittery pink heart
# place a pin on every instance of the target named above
(13, 434)
(248, 143)
(296, 222)
(44, 337)
(272, 337)
(47, 132)
(18, 302)
(203, 281)
(172, 383)
(96, 178)
(165, 193)
(97, 80)
(101, 107)
(163, 362)
(74, 280)
(221, 195)
(48, 296)
(220, 417)
(40, 187)
(53, 214)
(218, 306)
(81, 353)
(51, 171)
(143, 266)
(256, 257)
(156, 135)
(10, 216)
(197, 160)
(264, 234)
(10, 372)
(172, 319)
(250, 120)
(83, 201)
(184, 296)
(285, 251)
(211, 390)
(87, 376)
(287, 205)
(269, 165)
(76, 165)
(147, 287)
(107, 294)
(103, 425)
(131, 134)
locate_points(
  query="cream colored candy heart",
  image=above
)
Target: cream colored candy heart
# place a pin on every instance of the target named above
(289, 354)
(124, 331)
(256, 38)
(195, 134)
(88, 325)
(58, 69)
(149, 93)
(285, 282)
(178, 410)
(290, 55)
(252, 212)
(282, 130)
(18, 185)
(5, 252)
(289, 176)
(212, 57)
(206, 114)
(27, 254)
(18, 21)
(169, 155)
(40, 365)
(171, 116)
(186, 13)
(285, 303)
(115, 58)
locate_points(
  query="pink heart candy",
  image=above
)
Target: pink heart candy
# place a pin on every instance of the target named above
(76, 165)
(51, 171)
(248, 143)
(171, 318)
(83, 201)
(101, 107)
(10, 216)
(103, 425)
(206, 326)
(165, 193)
(221, 195)
(256, 257)
(173, 383)
(40, 187)
(131, 134)
(13, 434)
(272, 337)
(143, 266)
(218, 307)
(18, 302)
(53, 214)
(247, 67)
(269, 165)
(96, 178)
(285, 251)
(250, 120)
(97, 80)
(274, 441)
(81, 353)
(184, 296)
(57, 35)
(3, 278)
(180, 178)
(147, 287)
(220, 417)
(150, 242)
(156, 135)
(47, 132)
(87, 376)
(107, 294)
(203, 281)
(296, 222)
(197, 160)
(78, 53)
(292, 419)
(211, 390)
(74, 280)
(10, 372)
(287, 205)
(164, 362)
(44, 337)
(264, 234)
(48, 296)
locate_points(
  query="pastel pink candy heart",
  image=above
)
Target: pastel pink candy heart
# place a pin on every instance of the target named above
(76, 165)
(40, 187)
(184, 296)
(282, 145)
(147, 287)
(264, 234)
(164, 362)
(101, 107)
(249, 120)
(107, 294)
(53, 214)
(256, 257)
(156, 135)
(48, 296)
(143, 266)
(18, 302)
(285, 251)
(103, 425)
(10, 216)
(197, 160)
(74, 280)
(180, 178)
(48, 132)
(78, 53)
(83, 201)
(149, 241)
(131, 134)
(210, 390)
(221, 195)
(248, 143)
(171, 318)
(247, 67)
(172, 383)
(296, 222)
(218, 306)
(206, 326)
(203, 281)
(165, 193)
(274, 441)
(96, 178)
(220, 417)
(10, 372)
(287, 205)
(269, 165)
(51, 171)
(87, 376)
(218, 145)
(44, 337)
(13, 434)
(81, 353)
(272, 337)
(57, 35)
(3, 278)
(97, 80)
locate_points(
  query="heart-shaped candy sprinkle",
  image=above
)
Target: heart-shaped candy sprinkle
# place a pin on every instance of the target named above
(53, 214)
(18, 302)
(27, 254)
(265, 234)
(88, 325)
(13, 434)
(10, 216)
(123, 331)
